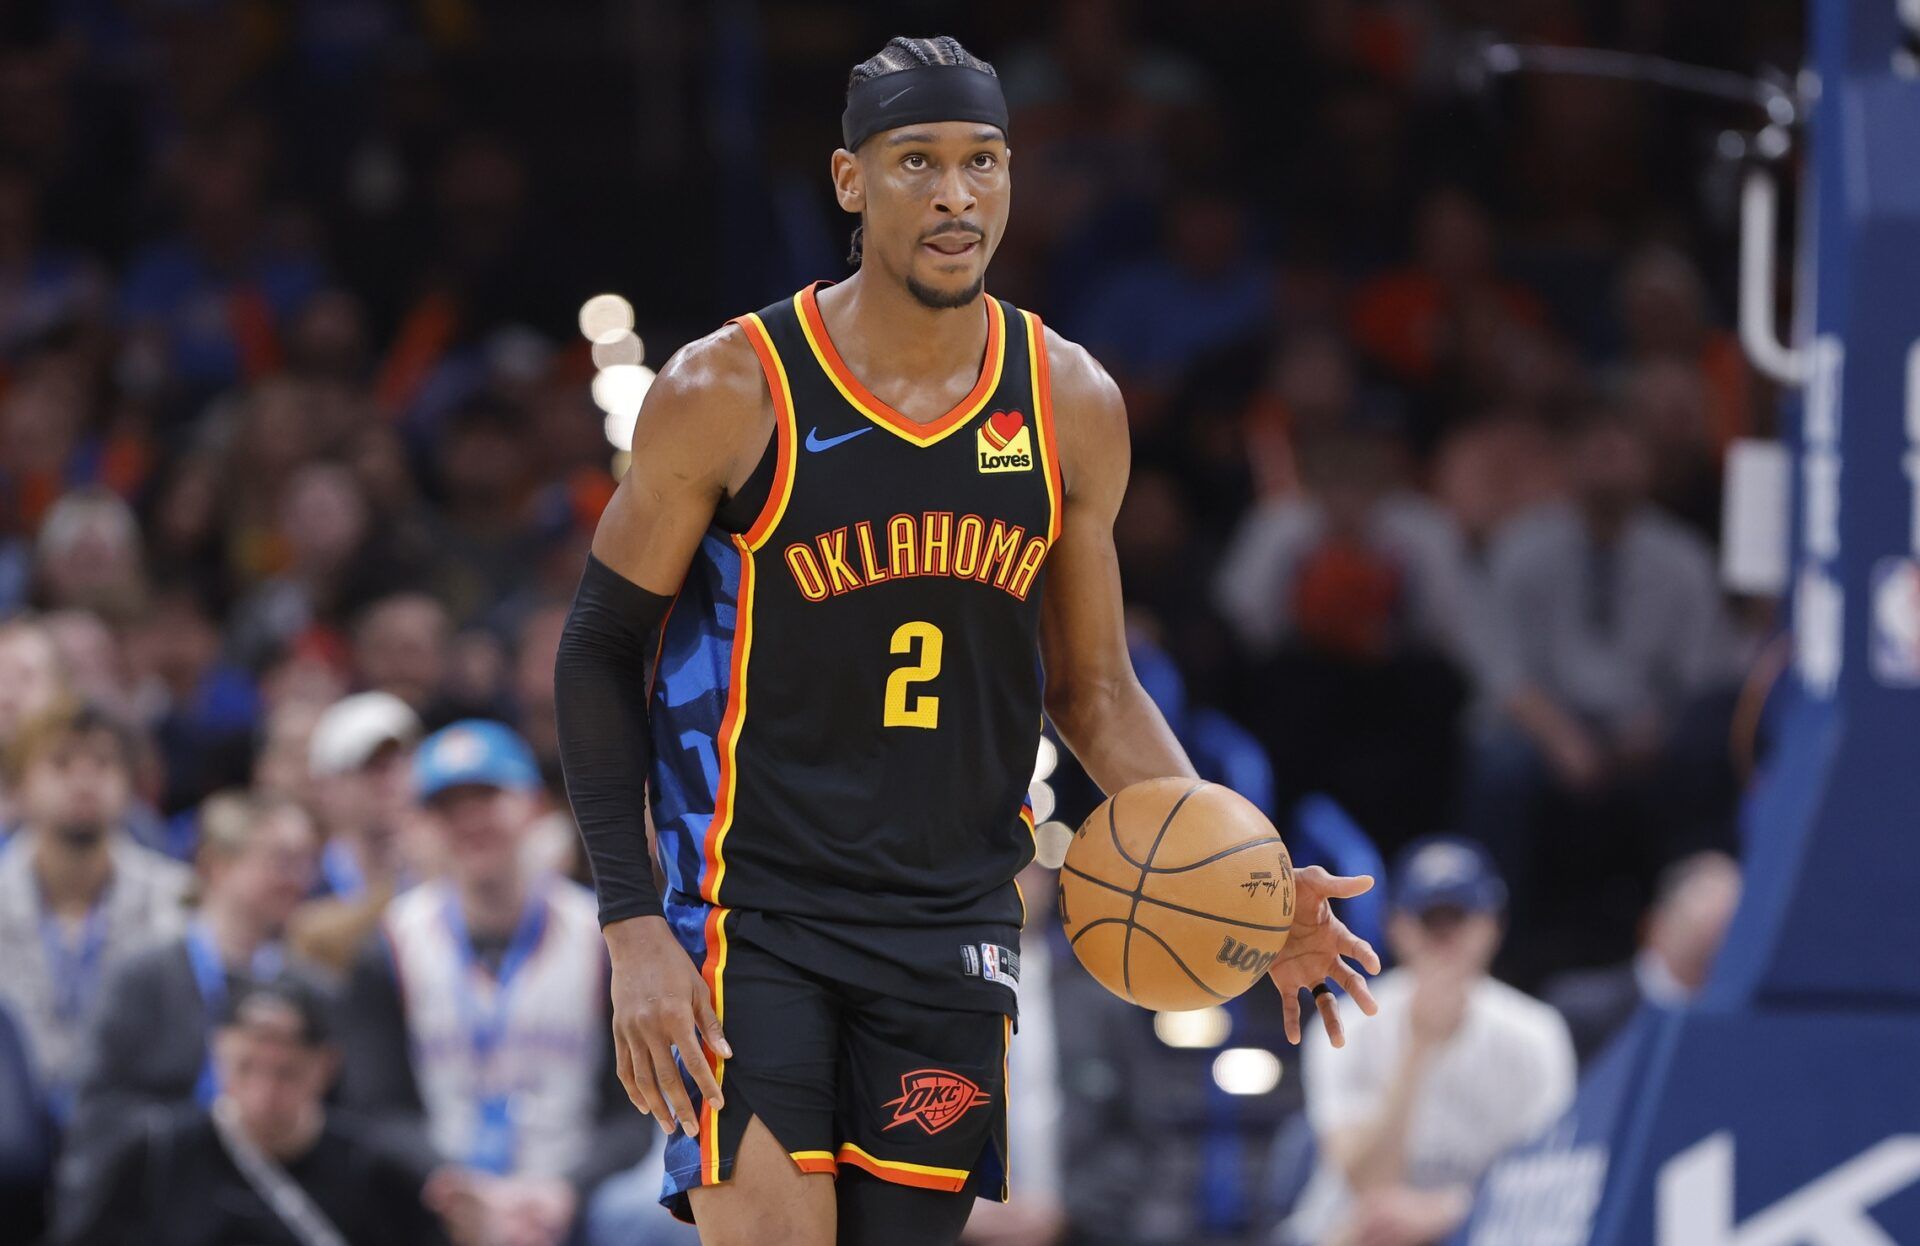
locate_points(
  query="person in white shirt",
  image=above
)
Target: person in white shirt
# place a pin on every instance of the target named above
(475, 1024)
(78, 896)
(1455, 1068)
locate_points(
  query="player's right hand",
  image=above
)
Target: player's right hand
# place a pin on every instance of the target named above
(661, 1003)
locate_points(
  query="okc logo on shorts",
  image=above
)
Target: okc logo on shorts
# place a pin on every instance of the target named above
(933, 1099)
(1004, 443)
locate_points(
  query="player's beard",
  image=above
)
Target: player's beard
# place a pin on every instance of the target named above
(945, 300)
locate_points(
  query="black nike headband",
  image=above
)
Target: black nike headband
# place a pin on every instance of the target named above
(923, 94)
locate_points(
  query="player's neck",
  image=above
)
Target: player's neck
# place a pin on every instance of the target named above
(880, 328)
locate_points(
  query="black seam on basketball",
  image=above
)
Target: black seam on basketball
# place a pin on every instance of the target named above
(1223, 853)
(1126, 941)
(1183, 964)
(1168, 904)
(1126, 946)
(1074, 938)
(1114, 833)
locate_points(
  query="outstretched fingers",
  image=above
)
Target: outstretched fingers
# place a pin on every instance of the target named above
(1330, 1017)
(1354, 983)
(1335, 886)
(1290, 1015)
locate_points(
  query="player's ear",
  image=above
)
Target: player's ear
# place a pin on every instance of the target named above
(848, 184)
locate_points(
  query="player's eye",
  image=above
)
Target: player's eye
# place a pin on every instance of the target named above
(914, 162)
(985, 160)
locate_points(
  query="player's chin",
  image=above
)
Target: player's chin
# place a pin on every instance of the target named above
(949, 283)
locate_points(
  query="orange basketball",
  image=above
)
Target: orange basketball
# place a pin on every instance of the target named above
(1177, 894)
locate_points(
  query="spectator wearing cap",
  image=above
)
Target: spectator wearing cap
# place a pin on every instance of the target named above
(476, 1027)
(77, 895)
(150, 1049)
(357, 760)
(1455, 1069)
(266, 1163)
(1693, 903)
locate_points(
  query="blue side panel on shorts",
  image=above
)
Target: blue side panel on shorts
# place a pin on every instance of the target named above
(690, 690)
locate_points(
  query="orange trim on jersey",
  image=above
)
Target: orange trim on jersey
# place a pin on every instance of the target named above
(863, 400)
(815, 1161)
(785, 436)
(951, 1180)
(1043, 416)
(714, 971)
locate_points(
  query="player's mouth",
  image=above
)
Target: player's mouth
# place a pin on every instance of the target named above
(952, 245)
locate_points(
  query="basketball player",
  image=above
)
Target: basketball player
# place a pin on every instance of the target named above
(861, 521)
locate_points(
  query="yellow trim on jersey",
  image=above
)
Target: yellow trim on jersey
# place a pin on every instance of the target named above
(948, 424)
(1043, 421)
(786, 433)
(953, 1174)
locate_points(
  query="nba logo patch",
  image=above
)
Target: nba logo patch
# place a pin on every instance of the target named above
(1004, 443)
(1896, 622)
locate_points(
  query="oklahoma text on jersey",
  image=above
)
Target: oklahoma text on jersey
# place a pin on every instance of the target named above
(932, 543)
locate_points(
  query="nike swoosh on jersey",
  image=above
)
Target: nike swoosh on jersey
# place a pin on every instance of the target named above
(816, 443)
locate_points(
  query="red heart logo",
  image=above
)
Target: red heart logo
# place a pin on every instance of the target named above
(1002, 427)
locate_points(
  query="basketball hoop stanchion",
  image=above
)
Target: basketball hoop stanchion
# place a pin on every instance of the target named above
(1783, 1107)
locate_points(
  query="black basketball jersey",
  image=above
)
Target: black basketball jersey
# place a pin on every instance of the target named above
(847, 701)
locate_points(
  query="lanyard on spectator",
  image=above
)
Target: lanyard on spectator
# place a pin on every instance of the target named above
(73, 968)
(210, 975)
(494, 1141)
(342, 873)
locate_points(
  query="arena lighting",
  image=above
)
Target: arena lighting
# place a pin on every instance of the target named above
(606, 318)
(1246, 1070)
(1200, 1028)
(619, 391)
(624, 349)
(1050, 843)
(1048, 759)
(1041, 794)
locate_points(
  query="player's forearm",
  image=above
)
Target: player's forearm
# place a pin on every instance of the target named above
(600, 703)
(1117, 732)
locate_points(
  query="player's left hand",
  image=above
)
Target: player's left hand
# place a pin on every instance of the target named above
(1319, 948)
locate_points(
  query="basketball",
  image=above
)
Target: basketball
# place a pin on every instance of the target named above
(1177, 894)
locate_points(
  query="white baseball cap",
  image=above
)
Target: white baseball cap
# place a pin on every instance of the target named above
(353, 728)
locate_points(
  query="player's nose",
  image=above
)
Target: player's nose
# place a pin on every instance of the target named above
(952, 195)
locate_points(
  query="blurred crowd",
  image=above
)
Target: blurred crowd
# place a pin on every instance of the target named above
(1429, 385)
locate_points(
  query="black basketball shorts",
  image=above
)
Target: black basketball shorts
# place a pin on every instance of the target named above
(845, 1077)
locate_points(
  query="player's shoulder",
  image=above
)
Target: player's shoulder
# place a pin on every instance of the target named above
(716, 372)
(1089, 414)
(1081, 385)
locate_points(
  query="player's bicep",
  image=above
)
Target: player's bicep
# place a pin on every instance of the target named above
(1083, 635)
(704, 418)
(1083, 638)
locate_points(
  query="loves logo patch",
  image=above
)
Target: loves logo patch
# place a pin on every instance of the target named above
(934, 1099)
(1002, 427)
(1004, 443)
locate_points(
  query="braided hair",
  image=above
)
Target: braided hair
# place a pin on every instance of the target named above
(903, 53)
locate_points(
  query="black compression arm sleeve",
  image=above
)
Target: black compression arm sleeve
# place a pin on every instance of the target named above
(606, 749)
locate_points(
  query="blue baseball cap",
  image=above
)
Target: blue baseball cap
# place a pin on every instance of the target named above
(1444, 872)
(473, 751)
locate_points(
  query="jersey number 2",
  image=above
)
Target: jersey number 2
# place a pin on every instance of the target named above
(913, 711)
